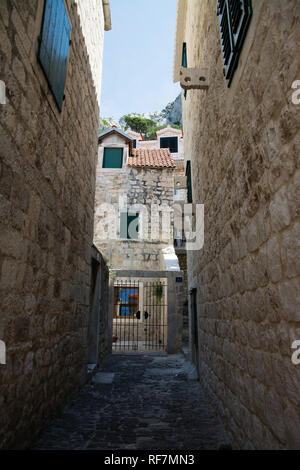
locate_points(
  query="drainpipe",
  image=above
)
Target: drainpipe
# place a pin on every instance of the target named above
(107, 15)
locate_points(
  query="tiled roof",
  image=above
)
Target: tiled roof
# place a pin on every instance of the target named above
(154, 158)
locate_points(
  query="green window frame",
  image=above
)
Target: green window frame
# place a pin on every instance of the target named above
(234, 18)
(129, 229)
(188, 174)
(112, 158)
(170, 143)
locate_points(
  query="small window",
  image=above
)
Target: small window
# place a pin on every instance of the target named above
(54, 47)
(134, 144)
(126, 302)
(234, 18)
(169, 143)
(184, 63)
(184, 55)
(189, 182)
(129, 225)
(113, 158)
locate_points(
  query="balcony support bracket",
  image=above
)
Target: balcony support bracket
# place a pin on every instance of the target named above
(194, 79)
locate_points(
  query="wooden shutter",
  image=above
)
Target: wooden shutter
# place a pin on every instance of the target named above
(131, 218)
(234, 18)
(184, 63)
(54, 47)
(123, 225)
(189, 182)
(170, 143)
(125, 220)
(113, 158)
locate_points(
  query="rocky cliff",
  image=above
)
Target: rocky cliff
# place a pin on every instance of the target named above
(171, 114)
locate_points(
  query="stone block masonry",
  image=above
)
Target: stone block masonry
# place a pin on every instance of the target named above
(243, 143)
(141, 186)
(47, 185)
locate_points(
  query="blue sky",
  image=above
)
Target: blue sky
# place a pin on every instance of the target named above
(138, 57)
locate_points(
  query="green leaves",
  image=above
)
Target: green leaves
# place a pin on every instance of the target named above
(145, 126)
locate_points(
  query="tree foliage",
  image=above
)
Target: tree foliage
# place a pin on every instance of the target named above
(139, 124)
(145, 126)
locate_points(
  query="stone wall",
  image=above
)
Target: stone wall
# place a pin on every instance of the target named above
(47, 183)
(243, 143)
(99, 325)
(91, 14)
(182, 259)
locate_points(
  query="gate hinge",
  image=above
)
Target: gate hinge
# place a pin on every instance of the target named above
(192, 78)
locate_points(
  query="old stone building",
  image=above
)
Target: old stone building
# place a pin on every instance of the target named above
(134, 228)
(237, 62)
(175, 139)
(51, 63)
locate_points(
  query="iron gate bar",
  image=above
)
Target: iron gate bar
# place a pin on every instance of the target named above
(128, 318)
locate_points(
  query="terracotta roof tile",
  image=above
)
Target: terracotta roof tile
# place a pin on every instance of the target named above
(154, 158)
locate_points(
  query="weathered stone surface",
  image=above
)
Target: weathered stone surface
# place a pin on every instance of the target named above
(149, 405)
(47, 173)
(243, 143)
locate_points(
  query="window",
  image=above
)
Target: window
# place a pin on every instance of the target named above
(54, 47)
(113, 158)
(129, 225)
(126, 302)
(234, 18)
(189, 182)
(169, 143)
(184, 63)
(134, 144)
(184, 55)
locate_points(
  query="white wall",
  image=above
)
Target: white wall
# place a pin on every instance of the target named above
(92, 23)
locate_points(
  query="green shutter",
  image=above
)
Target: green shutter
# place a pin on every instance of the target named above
(134, 144)
(131, 218)
(189, 182)
(234, 18)
(184, 55)
(184, 63)
(123, 225)
(125, 221)
(113, 158)
(54, 47)
(169, 143)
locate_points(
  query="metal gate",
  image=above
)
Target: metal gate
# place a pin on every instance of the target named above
(140, 316)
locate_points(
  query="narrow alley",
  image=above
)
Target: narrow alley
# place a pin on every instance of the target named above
(149, 225)
(138, 401)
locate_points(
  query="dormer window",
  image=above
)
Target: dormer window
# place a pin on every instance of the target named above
(113, 158)
(170, 143)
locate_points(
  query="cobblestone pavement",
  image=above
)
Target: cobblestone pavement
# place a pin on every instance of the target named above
(149, 404)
